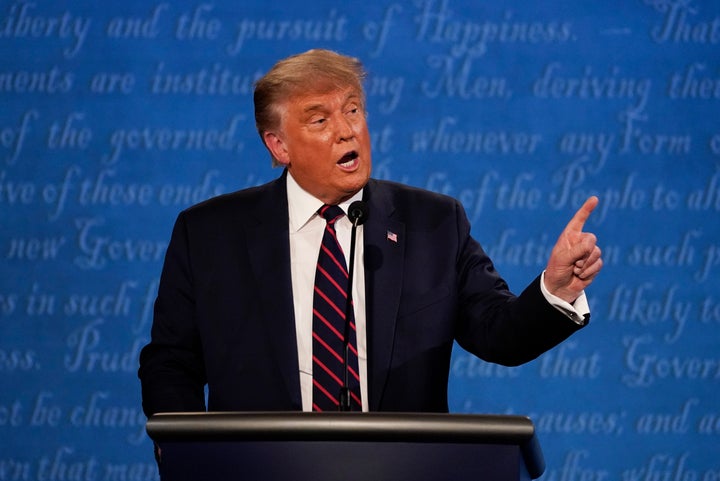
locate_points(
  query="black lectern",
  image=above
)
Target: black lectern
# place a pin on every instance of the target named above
(345, 446)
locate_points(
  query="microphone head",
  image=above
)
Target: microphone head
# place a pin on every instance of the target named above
(358, 212)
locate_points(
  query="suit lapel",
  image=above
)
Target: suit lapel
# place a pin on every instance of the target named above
(384, 244)
(269, 253)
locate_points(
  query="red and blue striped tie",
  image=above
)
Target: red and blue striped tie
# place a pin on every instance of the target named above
(329, 301)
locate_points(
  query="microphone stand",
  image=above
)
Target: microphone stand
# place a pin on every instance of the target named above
(345, 389)
(356, 213)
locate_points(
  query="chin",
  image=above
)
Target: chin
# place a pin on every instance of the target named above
(359, 181)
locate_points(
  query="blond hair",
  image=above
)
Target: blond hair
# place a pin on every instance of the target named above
(315, 71)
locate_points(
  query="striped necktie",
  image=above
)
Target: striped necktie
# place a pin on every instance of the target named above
(329, 302)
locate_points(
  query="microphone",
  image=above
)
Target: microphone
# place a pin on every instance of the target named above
(357, 213)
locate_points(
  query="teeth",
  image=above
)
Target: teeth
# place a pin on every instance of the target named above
(348, 159)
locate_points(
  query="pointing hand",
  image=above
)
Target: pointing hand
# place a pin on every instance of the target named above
(575, 259)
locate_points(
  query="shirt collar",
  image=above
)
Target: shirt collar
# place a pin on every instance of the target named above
(302, 206)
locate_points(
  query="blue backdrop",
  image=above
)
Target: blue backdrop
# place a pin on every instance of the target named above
(117, 115)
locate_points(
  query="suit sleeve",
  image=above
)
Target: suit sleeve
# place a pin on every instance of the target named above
(172, 372)
(495, 324)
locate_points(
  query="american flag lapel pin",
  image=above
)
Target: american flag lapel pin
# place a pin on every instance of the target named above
(391, 236)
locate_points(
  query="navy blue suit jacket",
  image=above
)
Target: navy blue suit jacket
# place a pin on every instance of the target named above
(224, 311)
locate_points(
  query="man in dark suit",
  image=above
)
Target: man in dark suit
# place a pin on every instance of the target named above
(235, 306)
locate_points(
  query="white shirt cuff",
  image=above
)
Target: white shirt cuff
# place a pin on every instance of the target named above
(578, 311)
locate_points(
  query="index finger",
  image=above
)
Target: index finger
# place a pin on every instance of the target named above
(577, 223)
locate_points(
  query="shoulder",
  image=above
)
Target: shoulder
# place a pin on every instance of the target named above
(246, 205)
(409, 201)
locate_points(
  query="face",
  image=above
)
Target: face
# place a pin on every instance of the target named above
(323, 141)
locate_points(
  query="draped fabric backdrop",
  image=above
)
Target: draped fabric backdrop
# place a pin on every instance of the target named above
(117, 115)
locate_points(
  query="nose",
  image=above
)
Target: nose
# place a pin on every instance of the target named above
(345, 129)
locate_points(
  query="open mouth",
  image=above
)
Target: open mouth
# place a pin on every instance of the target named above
(349, 159)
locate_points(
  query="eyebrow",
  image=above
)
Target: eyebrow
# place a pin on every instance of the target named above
(313, 108)
(319, 106)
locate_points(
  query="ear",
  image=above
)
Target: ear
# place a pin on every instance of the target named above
(277, 147)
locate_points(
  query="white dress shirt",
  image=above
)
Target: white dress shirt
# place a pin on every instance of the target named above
(306, 231)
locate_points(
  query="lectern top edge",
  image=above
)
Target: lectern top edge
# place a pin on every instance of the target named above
(411, 427)
(361, 427)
